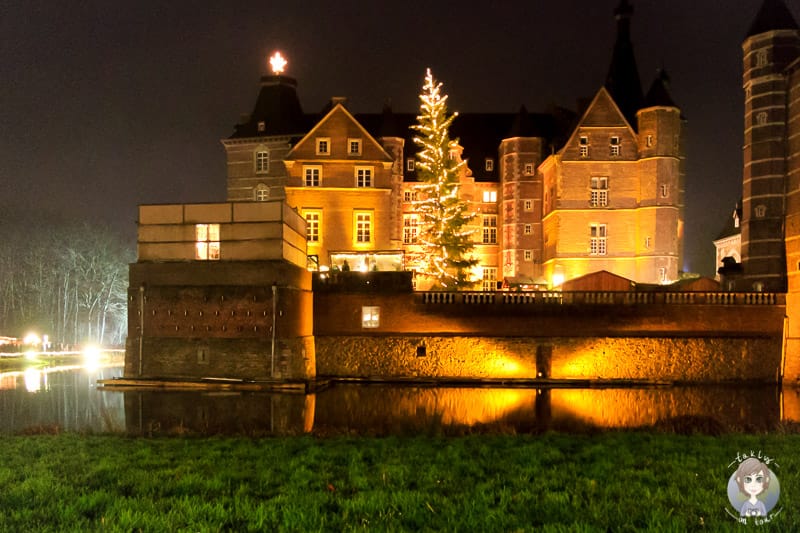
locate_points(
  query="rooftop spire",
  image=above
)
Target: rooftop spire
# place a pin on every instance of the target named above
(623, 81)
(773, 15)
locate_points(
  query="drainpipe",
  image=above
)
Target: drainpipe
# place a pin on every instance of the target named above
(141, 325)
(274, 323)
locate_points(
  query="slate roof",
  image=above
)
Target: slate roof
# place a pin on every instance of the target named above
(773, 15)
(622, 81)
(278, 107)
(658, 95)
(730, 228)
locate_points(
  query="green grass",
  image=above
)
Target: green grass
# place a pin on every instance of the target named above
(620, 481)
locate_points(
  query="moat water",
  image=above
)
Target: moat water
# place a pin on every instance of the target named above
(44, 400)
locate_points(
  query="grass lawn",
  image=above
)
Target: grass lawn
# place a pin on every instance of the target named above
(620, 481)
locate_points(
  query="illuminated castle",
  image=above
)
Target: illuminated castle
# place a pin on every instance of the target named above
(557, 195)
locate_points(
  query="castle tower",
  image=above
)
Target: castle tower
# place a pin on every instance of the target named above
(772, 43)
(662, 168)
(256, 150)
(521, 200)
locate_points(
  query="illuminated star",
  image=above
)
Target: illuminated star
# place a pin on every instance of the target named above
(277, 62)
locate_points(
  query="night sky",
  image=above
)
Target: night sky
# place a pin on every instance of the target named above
(106, 105)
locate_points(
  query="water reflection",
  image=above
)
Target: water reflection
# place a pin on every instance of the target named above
(68, 399)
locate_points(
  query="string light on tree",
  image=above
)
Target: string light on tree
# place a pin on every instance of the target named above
(444, 218)
(277, 63)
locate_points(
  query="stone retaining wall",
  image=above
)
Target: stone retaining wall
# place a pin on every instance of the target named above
(696, 360)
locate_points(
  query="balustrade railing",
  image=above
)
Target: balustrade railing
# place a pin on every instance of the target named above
(602, 298)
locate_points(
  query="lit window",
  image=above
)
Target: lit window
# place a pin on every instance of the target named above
(262, 162)
(313, 224)
(529, 169)
(664, 190)
(312, 176)
(528, 229)
(410, 196)
(353, 146)
(583, 144)
(207, 242)
(528, 255)
(489, 278)
(370, 316)
(489, 196)
(597, 239)
(489, 164)
(323, 146)
(363, 176)
(615, 146)
(262, 193)
(410, 229)
(410, 165)
(528, 205)
(598, 192)
(490, 229)
(363, 229)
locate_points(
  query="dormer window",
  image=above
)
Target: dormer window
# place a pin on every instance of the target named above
(489, 164)
(410, 164)
(323, 145)
(615, 145)
(583, 145)
(353, 146)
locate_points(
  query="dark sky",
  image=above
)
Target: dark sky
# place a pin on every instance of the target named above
(106, 105)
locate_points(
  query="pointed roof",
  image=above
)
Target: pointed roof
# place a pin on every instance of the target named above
(623, 76)
(658, 95)
(773, 15)
(278, 107)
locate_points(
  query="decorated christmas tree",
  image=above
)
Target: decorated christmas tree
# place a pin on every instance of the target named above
(445, 234)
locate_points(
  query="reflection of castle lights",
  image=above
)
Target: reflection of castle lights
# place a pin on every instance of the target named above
(91, 357)
(33, 380)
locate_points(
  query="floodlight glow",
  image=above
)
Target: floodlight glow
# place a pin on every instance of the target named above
(91, 356)
(32, 339)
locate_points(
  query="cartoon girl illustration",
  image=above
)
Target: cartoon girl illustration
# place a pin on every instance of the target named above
(752, 477)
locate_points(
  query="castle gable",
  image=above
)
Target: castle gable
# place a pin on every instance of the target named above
(601, 126)
(338, 136)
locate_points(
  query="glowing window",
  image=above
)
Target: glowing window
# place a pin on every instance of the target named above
(489, 279)
(370, 316)
(312, 176)
(410, 196)
(313, 225)
(363, 227)
(410, 229)
(206, 242)
(598, 196)
(262, 162)
(363, 176)
(490, 229)
(597, 239)
(489, 196)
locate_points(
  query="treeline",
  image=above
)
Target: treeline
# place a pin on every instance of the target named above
(68, 281)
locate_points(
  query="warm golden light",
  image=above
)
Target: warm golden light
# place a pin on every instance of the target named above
(277, 63)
